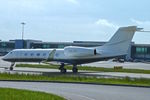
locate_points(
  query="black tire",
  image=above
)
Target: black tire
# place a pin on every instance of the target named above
(74, 70)
(63, 70)
(11, 68)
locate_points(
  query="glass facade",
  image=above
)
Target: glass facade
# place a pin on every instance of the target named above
(45, 45)
(140, 52)
(48, 45)
(7, 45)
(61, 46)
(20, 44)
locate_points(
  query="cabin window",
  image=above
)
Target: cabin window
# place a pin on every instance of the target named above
(25, 54)
(38, 54)
(32, 54)
(44, 54)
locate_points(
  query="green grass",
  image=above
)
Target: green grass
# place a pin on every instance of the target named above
(19, 94)
(37, 66)
(87, 68)
(76, 78)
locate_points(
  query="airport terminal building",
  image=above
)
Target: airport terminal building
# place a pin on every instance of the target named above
(137, 52)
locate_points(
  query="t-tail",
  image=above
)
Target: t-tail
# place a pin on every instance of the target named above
(119, 44)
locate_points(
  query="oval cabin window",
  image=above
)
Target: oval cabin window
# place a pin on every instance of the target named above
(38, 54)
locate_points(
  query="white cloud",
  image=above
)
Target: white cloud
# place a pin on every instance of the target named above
(144, 37)
(73, 2)
(106, 23)
(139, 22)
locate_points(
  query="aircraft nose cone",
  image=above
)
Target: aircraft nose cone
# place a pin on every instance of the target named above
(4, 58)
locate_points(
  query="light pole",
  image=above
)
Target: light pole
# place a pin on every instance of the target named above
(23, 23)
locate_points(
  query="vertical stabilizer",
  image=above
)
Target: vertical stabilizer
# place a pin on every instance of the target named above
(120, 41)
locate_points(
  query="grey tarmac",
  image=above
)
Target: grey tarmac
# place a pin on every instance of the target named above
(84, 91)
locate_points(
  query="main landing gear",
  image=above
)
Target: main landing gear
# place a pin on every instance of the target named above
(74, 69)
(12, 66)
(64, 70)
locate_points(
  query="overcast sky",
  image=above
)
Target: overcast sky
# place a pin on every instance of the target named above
(72, 20)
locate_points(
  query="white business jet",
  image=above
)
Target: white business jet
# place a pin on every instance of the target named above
(117, 46)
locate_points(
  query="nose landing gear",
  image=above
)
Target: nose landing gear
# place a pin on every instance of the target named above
(12, 66)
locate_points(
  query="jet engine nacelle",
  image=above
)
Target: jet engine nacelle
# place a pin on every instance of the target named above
(73, 51)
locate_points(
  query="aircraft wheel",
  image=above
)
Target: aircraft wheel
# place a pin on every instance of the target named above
(11, 68)
(63, 70)
(74, 70)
